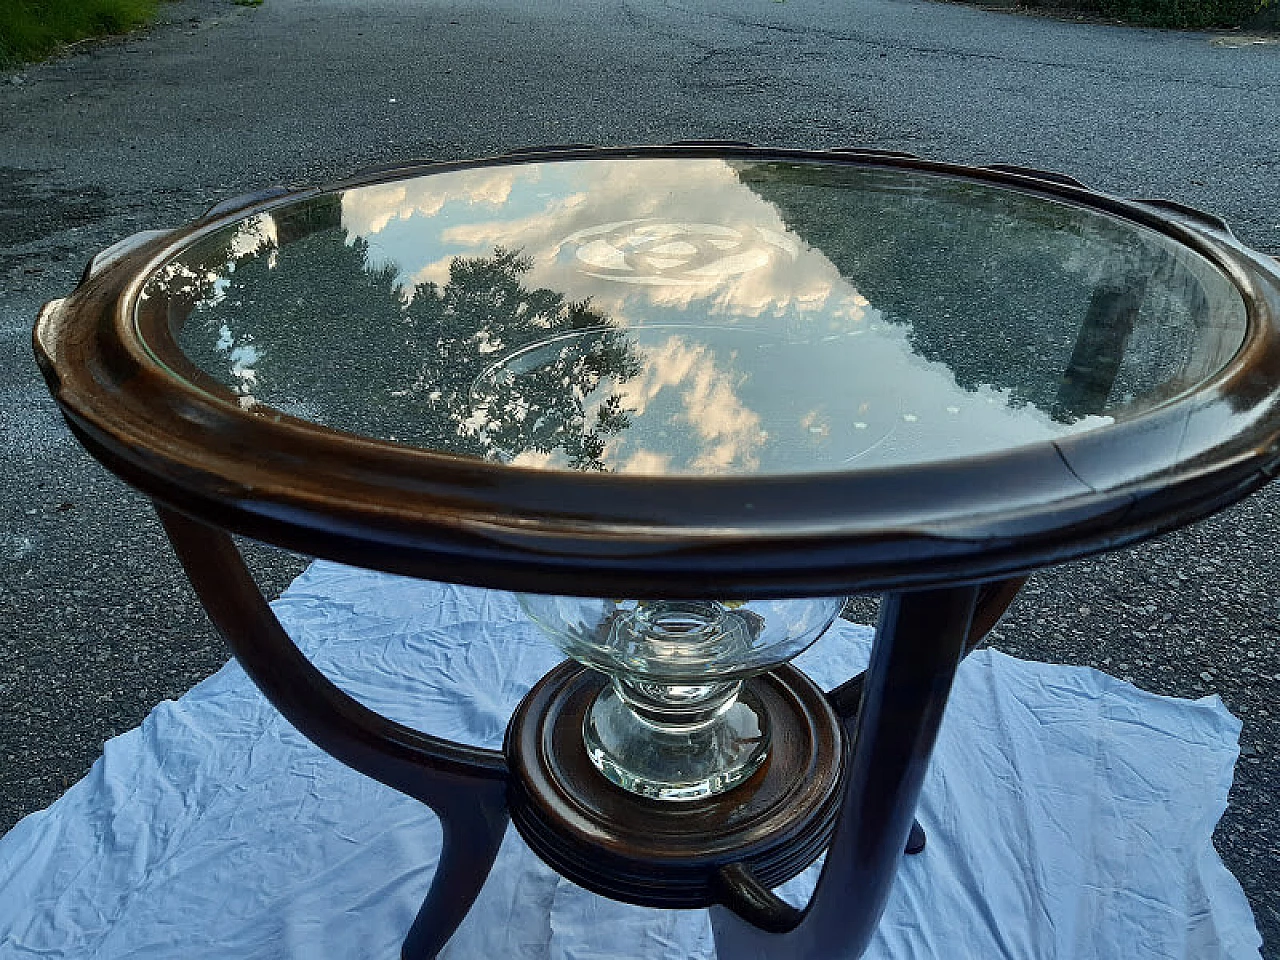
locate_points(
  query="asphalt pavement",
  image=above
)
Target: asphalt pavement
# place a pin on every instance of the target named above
(97, 624)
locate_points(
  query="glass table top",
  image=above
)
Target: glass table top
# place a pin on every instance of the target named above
(697, 316)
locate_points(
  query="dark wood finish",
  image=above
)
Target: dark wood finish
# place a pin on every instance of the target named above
(465, 786)
(412, 762)
(138, 405)
(993, 600)
(474, 825)
(752, 901)
(920, 641)
(134, 401)
(669, 854)
(916, 839)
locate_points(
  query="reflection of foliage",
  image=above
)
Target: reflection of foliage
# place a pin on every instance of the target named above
(309, 325)
(994, 284)
(482, 313)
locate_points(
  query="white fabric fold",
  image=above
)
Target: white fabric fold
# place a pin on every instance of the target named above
(1069, 814)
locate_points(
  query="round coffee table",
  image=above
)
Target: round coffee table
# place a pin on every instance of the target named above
(724, 382)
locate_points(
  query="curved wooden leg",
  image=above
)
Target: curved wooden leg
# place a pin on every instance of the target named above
(472, 836)
(921, 639)
(994, 598)
(916, 840)
(465, 786)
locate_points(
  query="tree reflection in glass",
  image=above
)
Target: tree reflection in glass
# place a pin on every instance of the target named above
(313, 327)
(548, 407)
(294, 315)
(691, 317)
(1074, 314)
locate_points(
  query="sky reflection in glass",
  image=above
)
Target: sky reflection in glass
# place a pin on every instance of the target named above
(699, 316)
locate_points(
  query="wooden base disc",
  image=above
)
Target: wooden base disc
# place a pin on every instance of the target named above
(668, 853)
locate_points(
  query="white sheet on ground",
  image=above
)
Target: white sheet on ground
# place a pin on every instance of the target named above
(1069, 814)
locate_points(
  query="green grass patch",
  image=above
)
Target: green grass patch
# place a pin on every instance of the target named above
(31, 29)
